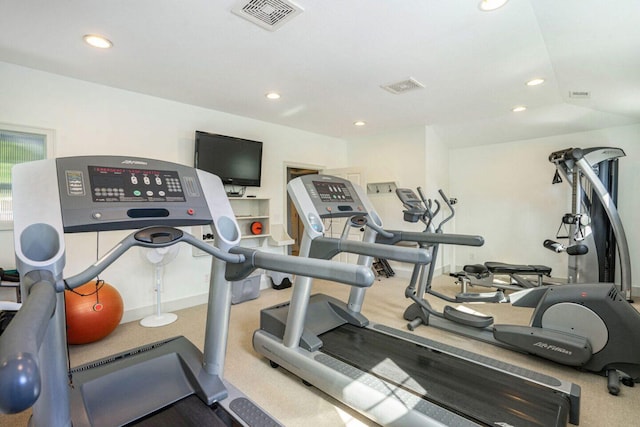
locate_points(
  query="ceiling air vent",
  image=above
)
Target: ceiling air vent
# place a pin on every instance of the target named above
(579, 94)
(268, 14)
(403, 86)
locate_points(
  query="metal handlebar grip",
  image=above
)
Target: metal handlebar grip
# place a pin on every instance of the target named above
(19, 344)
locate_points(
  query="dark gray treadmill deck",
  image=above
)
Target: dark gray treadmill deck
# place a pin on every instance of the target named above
(483, 395)
(190, 411)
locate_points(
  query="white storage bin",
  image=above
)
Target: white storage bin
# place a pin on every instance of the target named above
(246, 289)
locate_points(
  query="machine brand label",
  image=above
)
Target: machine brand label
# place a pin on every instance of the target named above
(133, 162)
(552, 347)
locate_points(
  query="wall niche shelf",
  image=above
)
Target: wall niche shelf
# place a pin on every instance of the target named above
(249, 210)
(382, 187)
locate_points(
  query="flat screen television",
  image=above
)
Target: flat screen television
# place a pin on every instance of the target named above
(236, 161)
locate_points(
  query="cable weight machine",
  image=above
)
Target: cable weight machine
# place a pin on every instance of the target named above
(593, 227)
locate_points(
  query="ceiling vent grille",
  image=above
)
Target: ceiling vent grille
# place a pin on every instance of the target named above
(403, 86)
(268, 14)
(579, 94)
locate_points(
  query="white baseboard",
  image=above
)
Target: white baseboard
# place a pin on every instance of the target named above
(404, 271)
(141, 312)
(136, 314)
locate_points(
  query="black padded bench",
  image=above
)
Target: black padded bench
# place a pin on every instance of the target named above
(517, 273)
(502, 268)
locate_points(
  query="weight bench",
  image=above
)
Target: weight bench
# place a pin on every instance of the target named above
(519, 275)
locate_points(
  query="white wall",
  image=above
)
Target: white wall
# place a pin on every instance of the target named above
(505, 194)
(93, 119)
(412, 157)
(395, 156)
(504, 190)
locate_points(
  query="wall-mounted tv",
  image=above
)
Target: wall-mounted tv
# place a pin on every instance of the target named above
(236, 161)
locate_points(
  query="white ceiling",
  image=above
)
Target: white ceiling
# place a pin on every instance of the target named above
(330, 61)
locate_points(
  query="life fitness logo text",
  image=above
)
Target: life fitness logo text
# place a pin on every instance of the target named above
(551, 347)
(133, 162)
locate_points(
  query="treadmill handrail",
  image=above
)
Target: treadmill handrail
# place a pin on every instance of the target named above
(328, 247)
(354, 275)
(19, 345)
(134, 239)
(431, 238)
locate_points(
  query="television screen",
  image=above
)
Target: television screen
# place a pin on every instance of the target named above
(236, 161)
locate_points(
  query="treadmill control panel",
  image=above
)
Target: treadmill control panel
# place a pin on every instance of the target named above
(332, 196)
(116, 193)
(109, 184)
(332, 192)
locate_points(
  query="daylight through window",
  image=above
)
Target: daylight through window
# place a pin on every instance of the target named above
(16, 147)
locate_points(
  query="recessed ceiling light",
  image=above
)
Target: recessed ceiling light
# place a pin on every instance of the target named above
(489, 5)
(518, 109)
(359, 123)
(97, 41)
(273, 95)
(535, 82)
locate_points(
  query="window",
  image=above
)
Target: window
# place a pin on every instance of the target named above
(18, 145)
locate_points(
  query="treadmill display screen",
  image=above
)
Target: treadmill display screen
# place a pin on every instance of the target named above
(332, 191)
(113, 184)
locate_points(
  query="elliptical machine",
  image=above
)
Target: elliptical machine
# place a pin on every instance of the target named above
(425, 210)
(589, 326)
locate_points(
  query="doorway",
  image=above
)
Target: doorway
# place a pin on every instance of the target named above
(295, 227)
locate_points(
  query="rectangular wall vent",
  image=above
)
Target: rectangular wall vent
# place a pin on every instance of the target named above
(579, 94)
(403, 86)
(268, 14)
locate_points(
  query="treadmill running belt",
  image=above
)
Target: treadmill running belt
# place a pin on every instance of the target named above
(190, 411)
(484, 395)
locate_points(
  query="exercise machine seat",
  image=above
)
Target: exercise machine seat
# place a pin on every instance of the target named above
(503, 268)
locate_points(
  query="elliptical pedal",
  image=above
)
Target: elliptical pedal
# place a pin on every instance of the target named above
(468, 319)
(497, 296)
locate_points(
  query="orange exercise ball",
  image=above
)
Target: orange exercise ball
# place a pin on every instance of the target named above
(93, 312)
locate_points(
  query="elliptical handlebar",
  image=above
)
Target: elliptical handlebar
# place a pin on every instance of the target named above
(430, 214)
(451, 210)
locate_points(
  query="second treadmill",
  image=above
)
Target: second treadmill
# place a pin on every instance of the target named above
(392, 376)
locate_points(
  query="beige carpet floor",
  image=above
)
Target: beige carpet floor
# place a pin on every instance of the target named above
(295, 404)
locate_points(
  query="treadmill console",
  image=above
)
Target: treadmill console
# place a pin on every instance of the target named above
(408, 198)
(109, 184)
(414, 206)
(114, 193)
(333, 196)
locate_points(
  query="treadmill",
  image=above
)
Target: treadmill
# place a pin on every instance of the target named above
(164, 383)
(393, 377)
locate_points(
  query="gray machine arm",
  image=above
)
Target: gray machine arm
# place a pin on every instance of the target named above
(327, 248)
(19, 344)
(150, 237)
(577, 155)
(355, 275)
(430, 238)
